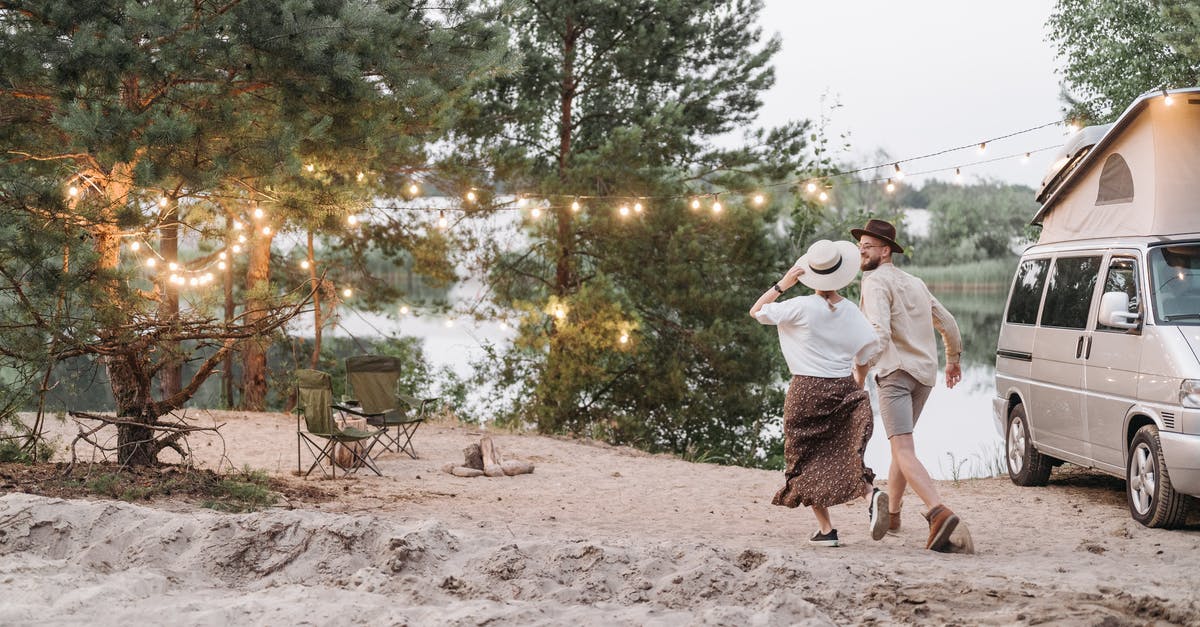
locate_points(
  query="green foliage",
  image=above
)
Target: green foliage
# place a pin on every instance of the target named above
(245, 491)
(1112, 51)
(14, 449)
(970, 223)
(617, 101)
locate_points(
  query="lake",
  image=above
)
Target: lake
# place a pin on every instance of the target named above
(955, 436)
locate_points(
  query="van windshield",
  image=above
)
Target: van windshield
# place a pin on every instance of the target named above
(1175, 279)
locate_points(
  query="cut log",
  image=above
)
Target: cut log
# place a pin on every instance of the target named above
(491, 458)
(463, 471)
(516, 467)
(472, 457)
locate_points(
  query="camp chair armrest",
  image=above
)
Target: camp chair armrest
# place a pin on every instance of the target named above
(413, 401)
(356, 411)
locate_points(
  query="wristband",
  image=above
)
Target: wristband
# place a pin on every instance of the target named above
(776, 286)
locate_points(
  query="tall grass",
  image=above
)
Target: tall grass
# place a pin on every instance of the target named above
(988, 274)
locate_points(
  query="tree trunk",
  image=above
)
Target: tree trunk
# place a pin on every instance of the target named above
(317, 322)
(127, 373)
(551, 417)
(254, 351)
(227, 366)
(171, 379)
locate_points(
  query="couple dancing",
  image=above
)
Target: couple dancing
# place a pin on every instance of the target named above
(829, 346)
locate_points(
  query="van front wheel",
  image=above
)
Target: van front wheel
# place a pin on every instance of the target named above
(1152, 500)
(1026, 466)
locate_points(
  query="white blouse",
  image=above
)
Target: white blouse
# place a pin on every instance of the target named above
(816, 341)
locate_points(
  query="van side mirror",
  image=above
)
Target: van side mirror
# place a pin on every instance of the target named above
(1114, 311)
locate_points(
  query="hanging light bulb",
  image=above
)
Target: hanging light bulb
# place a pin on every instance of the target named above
(442, 222)
(258, 213)
(449, 322)
(266, 230)
(624, 339)
(358, 177)
(982, 147)
(221, 255)
(237, 248)
(172, 266)
(823, 196)
(899, 173)
(352, 220)
(72, 191)
(471, 196)
(1025, 159)
(241, 239)
(1167, 99)
(151, 262)
(194, 281)
(957, 175)
(221, 265)
(208, 277)
(560, 312)
(575, 205)
(695, 203)
(134, 246)
(310, 167)
(404, 310)
(811, 187)
(759, 199)
(347, 293)
(891, 187)
(717, 207)
(624, 210)
(237, 225)
(162, 202)
(520, 202)
(414, 189)
(304, 264)
(174, 278)
(637, 207)
(535, 213)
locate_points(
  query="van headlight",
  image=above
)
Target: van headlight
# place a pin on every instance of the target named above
(1189, 393)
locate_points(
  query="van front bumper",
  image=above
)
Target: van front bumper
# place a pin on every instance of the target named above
(1181, 452)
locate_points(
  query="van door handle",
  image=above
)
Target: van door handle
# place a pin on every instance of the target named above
(1088, 353)
(1079, 347)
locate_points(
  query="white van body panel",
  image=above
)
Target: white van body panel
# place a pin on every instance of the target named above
(1082, 388)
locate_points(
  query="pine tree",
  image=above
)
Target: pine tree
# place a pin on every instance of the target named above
(634, 328)
(109, 106)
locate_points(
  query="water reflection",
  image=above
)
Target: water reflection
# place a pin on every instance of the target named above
(956, 435)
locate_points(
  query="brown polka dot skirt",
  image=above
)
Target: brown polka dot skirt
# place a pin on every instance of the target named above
(826, 426)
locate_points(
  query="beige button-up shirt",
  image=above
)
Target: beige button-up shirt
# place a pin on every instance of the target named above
(904, 314)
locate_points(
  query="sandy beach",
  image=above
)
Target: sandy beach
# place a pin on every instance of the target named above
(595, 535)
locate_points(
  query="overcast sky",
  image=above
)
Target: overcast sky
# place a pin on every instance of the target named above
(919, 77)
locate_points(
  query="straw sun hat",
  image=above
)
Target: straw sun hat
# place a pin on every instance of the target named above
(829, 266)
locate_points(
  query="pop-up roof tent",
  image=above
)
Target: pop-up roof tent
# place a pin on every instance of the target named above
(1137, 176)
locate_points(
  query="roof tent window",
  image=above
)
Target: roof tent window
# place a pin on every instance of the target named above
(1116, 183)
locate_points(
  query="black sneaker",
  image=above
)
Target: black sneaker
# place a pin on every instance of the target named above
(824, 539)
(876, 512)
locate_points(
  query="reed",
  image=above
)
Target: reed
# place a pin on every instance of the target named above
(990, 274)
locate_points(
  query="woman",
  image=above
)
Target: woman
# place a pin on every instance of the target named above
(827, 414)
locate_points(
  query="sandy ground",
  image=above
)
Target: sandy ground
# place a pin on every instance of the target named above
(595, 535)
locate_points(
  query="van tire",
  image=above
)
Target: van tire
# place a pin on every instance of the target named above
(1026, 466)
(1151, 498)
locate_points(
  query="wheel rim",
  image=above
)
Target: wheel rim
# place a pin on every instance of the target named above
(1143, 479)
(1016, 445)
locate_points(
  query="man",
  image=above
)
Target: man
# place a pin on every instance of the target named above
(905, 315)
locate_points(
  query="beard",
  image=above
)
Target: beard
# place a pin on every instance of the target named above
(868, 264)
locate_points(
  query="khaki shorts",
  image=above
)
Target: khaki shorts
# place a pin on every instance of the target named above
(901, 399)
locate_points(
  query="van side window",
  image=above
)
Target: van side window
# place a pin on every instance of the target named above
(1069, 295)
(1122, 277)
(1027, 292)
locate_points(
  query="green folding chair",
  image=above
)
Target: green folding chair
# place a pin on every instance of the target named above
(320, 432)
(375, 380)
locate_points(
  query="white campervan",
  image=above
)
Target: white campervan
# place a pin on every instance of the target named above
(1097, 362)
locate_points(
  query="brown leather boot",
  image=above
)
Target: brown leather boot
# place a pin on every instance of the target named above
(893, 522)
(942, 522)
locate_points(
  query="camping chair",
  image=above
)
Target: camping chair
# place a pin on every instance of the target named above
(374, 379)
(322, 434)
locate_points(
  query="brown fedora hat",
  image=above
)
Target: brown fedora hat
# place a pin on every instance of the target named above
(881, 229)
